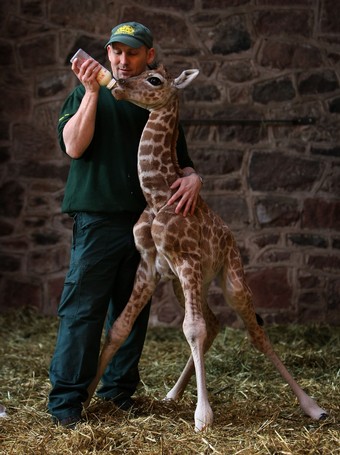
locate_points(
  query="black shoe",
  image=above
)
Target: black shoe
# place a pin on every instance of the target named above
(123, 403)
(69, 422)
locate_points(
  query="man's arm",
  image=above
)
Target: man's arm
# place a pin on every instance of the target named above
(78, 131)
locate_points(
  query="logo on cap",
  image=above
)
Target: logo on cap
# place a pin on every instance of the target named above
(125, 30)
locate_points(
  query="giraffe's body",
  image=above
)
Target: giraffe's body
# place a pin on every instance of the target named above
(191, 250)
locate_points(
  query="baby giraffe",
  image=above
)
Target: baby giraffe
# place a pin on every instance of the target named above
(190, 250)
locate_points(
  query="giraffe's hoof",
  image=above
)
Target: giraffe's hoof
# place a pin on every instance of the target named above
(323, 416)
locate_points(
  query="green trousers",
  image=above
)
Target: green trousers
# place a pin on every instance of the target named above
(97, 287)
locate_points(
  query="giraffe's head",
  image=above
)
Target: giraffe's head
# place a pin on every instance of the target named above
(153, 88)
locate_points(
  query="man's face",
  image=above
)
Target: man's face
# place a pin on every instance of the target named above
(128, 61)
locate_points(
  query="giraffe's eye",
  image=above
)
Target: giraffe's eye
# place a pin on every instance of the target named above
(154, 81)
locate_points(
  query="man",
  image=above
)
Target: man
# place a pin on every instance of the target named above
(103, 195)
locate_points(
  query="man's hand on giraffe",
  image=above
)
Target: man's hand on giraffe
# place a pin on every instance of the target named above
(188, 188)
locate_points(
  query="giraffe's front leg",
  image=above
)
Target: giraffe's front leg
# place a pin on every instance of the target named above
(195, 331)
(212, 327)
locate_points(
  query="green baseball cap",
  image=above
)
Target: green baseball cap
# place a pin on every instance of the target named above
(132, 34)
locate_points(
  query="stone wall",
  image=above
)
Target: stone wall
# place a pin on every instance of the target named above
(262, 124)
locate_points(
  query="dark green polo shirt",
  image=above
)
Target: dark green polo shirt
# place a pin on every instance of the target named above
(105, 178)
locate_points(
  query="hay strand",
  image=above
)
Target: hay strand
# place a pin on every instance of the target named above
(255, 412)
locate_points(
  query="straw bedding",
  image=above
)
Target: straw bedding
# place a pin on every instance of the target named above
(254, 411)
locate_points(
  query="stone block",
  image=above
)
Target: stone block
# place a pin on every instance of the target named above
(51, 260)
(330, 20)
(47, 187)
(321, 214)
(334, 106)
(311, 300)
(244, 134)
(277, 90)
(165, 309)
(326, 263)
(276, 211)
(10, 262)
(237, 72)
(336, 243)
(6, 228)
(29, 137)
(54, 290)
(34, 222)
(89, 15)
(244, 252)
(176, 5)
(46, 237)
(318, 82)
(39, 52)
(282, 55)
(263, 240)
(201, 93)
(20, 27)
(38, 205)
(226, 315)
(6, 54)
(231, 36)
(326, 151)
(20, 293)
(33, 8)
(240, 94)
(332, 297)
(15, 103)
(277, 54)
(11, 199)
(4, 154)
(200, 133)
(307, 56)
(308, 240)
(288, 173)
(284, 22)
(15, 244)
(218, 4)
(52, 85)
(274, 256)
(220, 184)
(4, 129)
(307, 280)
(270, 288)
(34, 169)
(308, 314)
(271, 3)
(217, 162)
(168, 28)
(232, 209)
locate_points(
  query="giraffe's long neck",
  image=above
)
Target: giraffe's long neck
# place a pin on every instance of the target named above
(157, 159)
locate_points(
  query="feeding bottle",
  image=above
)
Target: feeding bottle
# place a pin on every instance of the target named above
(104, 77)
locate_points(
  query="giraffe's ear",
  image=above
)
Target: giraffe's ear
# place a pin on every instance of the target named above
(185, 78)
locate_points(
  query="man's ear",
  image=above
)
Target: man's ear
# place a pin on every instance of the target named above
(151, 56)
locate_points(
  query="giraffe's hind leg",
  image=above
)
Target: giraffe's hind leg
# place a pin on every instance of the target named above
(238, 295)
(121, 328)
(145, 283)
